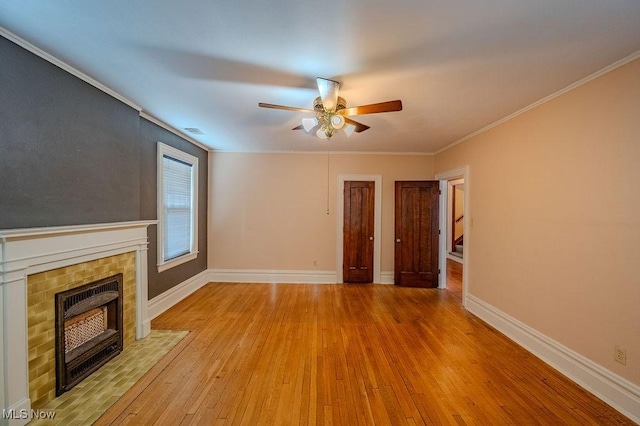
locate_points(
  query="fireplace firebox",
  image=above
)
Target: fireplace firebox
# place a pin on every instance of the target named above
(89, 329)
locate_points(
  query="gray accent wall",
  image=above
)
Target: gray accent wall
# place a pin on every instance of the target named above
(71, 154)
(150, 135)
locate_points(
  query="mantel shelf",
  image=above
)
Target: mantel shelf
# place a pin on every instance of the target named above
(72, 229)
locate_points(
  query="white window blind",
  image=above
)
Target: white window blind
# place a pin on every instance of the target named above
(178, 205)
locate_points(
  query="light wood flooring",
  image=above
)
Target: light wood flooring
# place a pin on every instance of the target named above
(454, 279)
(346, 355)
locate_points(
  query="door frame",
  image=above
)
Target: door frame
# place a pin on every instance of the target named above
(451, 184)
(377, 224)
(444, 178)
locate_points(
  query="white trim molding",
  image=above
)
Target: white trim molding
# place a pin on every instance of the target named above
(377, 225)
(171, 297)
(272, 276)
(95, 83)
(177, 156)
(282, 276)
(173, 130)
(174, 295)
(616, 391)
(68, 68)
(387, 277)
(24, 252)
(617, 64)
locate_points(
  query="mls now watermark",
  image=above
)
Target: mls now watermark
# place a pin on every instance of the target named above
(27, 414)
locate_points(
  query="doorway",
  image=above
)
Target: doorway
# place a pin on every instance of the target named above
(460, 174)
(455, 220)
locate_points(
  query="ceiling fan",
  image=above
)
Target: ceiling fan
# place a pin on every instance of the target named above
(331, 112)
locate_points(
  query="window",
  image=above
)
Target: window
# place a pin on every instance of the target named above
(177, 207)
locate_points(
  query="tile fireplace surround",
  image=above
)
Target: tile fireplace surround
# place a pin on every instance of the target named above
(25, 252)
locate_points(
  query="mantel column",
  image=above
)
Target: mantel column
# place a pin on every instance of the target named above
(15, 358)
(143, 324)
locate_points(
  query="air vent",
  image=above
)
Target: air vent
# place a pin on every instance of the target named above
(194, 130)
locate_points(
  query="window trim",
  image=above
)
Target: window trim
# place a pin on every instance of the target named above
(169, 151)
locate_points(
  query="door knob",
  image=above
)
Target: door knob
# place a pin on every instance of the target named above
(397, 240)
(371, 238)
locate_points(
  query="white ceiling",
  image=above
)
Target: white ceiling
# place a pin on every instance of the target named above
(457, 66)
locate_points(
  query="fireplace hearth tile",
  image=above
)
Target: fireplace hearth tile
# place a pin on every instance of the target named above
(88, 400)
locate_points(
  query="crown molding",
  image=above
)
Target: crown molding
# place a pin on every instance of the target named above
(575, 85)
(329, 152)
(173, 130)
(66, 67)
(84, 77)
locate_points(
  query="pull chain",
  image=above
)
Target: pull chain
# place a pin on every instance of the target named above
(327, 182)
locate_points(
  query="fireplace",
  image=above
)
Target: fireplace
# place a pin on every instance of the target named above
(37, 263)
(88, 329)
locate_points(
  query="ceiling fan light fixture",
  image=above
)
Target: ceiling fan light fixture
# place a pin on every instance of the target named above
(349, 129)
(309, 123)
(337, 121)
(331, 112)
(321, 134)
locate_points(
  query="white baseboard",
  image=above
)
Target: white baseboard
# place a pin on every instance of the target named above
(166, 300)
(18, 414)
(283, 276)
(272, 276)
(387, 277)
(616, 391)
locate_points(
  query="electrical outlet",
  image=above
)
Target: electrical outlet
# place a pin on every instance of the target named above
(620, 355)
(315, 263)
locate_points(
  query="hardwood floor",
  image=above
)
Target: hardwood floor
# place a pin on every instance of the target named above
(346, 354)
(454, 279)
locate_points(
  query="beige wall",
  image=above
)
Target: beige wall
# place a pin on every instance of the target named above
(556, 231)
(269, 211)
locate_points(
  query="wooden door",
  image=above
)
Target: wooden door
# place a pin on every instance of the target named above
(359, 202)
(417, 234)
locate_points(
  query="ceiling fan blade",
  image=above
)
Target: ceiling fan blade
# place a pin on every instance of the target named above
(287, 108)
(313, 130)
(359, 126)
(328, 93)
(388, 106)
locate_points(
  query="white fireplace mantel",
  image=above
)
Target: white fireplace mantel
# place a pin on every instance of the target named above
(25, 252)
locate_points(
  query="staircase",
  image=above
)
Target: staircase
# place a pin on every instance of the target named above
(458, 247)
